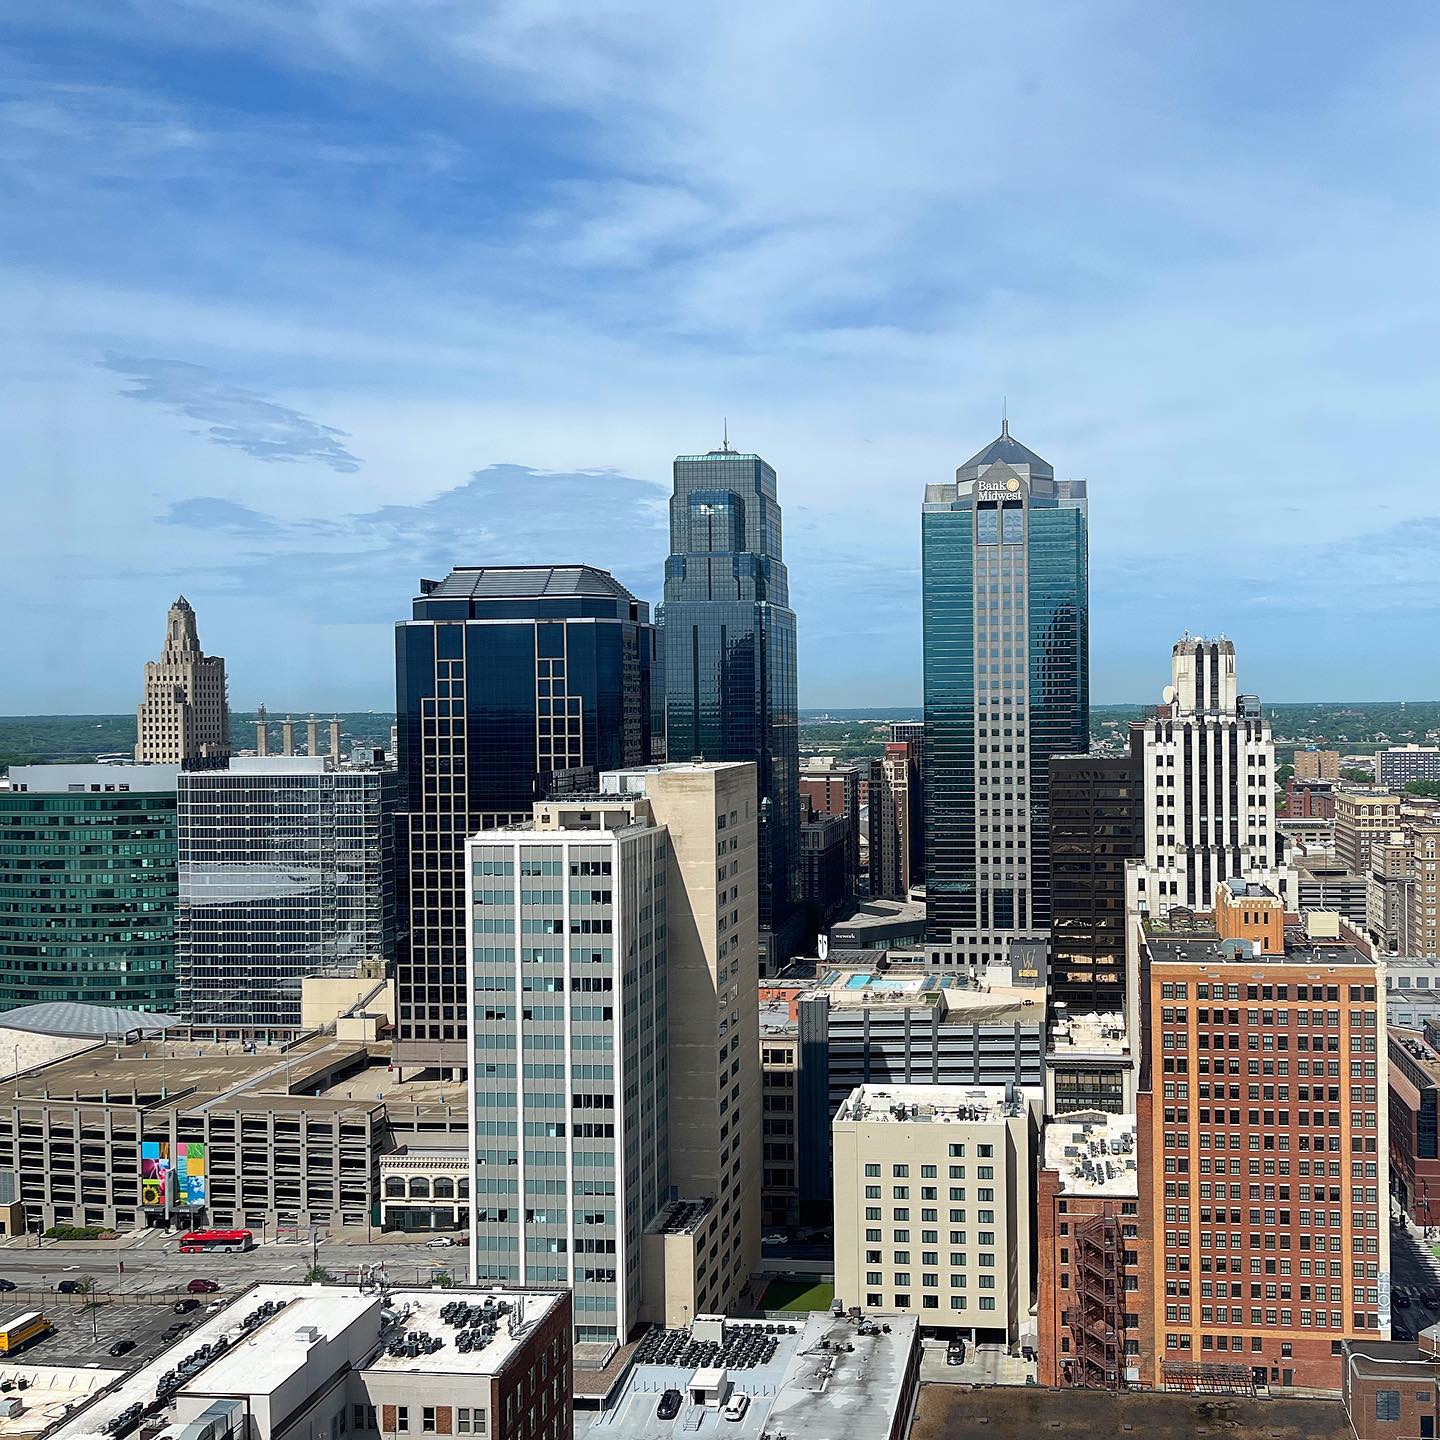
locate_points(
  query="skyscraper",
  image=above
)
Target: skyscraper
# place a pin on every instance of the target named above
(286, 870)
(87, 886)
(729, 632)
(184, 718)
(894, 821)
(1006, 641)
(617, 1065)
(1209, 772)
(513, 683)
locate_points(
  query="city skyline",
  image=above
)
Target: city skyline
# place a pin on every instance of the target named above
(306, 302)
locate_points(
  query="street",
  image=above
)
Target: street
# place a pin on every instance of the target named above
(1411, 1270)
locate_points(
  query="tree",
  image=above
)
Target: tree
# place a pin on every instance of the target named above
(318, 1275)
(1361, 777)
(1427, 789)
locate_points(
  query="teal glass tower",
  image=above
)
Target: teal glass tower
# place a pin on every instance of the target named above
(729, 645)
(1006, 639)
(88, 886)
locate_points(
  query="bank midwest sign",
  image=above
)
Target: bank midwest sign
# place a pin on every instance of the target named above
(998, 489)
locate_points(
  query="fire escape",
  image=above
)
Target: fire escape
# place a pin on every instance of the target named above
(1097, 1317)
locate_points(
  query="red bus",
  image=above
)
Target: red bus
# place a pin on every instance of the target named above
(194, 1241)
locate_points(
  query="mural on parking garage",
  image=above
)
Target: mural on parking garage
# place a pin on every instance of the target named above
(154, 1173)
(190, 1175)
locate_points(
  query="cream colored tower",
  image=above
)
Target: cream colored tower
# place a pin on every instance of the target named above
(184, 718)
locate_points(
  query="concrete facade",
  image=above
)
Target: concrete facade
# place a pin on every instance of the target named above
(184, 718)
(933, 1204)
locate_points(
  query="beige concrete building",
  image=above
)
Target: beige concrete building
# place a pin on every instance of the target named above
(933, 1205)
(1401, 899)
(1361, 818)
(613, 972)
(184, 718)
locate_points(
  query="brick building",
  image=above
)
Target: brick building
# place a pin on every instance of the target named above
(1308, 799)
(1391, 1389)
(1414, 1091)
(1317, 764)
(1092, 1295)
(1262, 1116)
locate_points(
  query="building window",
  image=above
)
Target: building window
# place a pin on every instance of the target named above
(427, 1420)
(1387, 1404)
(402, 1417)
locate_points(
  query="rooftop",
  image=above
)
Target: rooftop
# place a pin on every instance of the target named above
(522, 582)
(879, 913)
(1091, 1034)
(805, 1386)
(265, 1335)
(680, 1217)
(1415, 1046)
(1191, 940)
(951, 995)
(948, 1412)
(931, 1104)
(1094, 1153)
(1006, 449)
(82, 778)
(65, 1017)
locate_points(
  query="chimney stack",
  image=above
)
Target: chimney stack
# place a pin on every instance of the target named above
(312, 736)
(287, 735)
(262, 732)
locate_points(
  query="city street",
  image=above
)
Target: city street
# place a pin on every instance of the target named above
(153, 1264)
(1412, 1270)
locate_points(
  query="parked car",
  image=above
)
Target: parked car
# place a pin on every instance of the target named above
(122, 1347)
(7, 1284)
(203, 1287)
(955, 1353)
(669, 1406)
(184, 1307)
(737, 1407)
(441, 1242)
(1431, 1294)
(1402, 1299)
(173, 1332)
(69, 1287)
(775, 1239)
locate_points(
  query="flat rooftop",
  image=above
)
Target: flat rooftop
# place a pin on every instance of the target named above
(1098, 1033)
(158, 1072)
(930, 1104)
(260, 1360)
(952, 996)
(1094, 1153)
(1418, 1049)
(880, 914)
(810, 1388)
(1181, 944)
(53, 1390)
(948, 1412)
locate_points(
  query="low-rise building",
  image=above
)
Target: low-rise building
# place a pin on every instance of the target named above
(1391, 1388)
(1088, 1063)
(870, 1027)
(1092, 1290)
(1414, 1119)
(820, 1377)
(1325, 884)
(290, 1362)
(933, 1204)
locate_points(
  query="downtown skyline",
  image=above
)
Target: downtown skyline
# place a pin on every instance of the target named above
(311, 300)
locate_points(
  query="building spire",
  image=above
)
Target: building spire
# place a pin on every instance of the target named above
(1004, 417)
(725, 440)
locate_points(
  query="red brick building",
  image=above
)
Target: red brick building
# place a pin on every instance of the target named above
(1092, 1297)
(1308, 800)
(1391, 1390)
(1261, 1120)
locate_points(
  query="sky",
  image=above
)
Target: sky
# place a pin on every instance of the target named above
(306, 299)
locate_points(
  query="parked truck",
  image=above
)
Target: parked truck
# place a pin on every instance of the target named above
(20, 1331)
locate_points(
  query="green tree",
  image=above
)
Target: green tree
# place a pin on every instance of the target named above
(1361, 777)
(1428, 789)
(318, 1275)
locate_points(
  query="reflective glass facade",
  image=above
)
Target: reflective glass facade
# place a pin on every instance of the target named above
(1006, 687)
(730, 655)
(285, 870)
(87, 897)
(513, 683)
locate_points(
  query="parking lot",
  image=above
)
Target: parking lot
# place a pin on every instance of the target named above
(84, 1334)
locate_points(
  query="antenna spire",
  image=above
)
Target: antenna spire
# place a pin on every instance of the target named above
(1004, 417)
(725, 441)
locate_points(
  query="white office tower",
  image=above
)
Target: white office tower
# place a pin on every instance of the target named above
(615, 1065)
(1209, 762)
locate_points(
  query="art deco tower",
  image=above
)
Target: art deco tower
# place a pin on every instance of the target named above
(1005, 590)
(184, 718)
(730, 684)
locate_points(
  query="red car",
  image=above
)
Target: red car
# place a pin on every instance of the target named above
(203, 1287)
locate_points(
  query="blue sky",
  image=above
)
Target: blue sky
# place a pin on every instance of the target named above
(307, 299)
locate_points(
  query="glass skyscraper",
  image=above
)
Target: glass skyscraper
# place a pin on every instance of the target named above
(729, 633)
(87, 886)
(513, 683)
(285, 868)
(1006, 639)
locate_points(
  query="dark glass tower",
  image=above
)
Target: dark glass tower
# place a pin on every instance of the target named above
(512, 683)
(729, 631)
(1006, 687)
